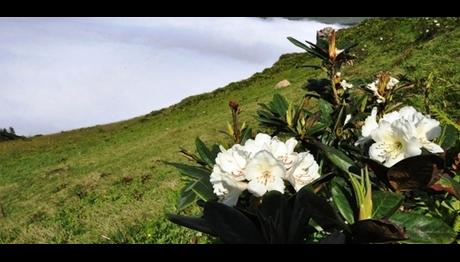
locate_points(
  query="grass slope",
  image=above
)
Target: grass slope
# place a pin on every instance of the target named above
(105, 184)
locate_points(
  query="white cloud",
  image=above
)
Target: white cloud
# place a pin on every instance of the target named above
(64, 73)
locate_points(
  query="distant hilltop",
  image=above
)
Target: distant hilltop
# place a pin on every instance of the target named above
(331, 20)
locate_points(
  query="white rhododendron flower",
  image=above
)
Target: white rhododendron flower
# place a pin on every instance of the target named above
(265, 173)
(426, 128)
(400, 134)
(374, 88)
(392, 83)
(304, 171)
(345, 85)
(233, 161)
(394, 142)
(284, 151)
(261, 142)
(261, 165)
(226, 187)
(370, 124)
(228, 174)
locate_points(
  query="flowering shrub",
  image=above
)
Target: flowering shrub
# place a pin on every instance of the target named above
(261, 165)
(348, 164)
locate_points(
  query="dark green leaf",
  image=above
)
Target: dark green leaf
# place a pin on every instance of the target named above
(274, 216)
(317, 127)
(185, 199)
(326, 110)
(377, 231)
(298, 222)
(195, 223)
(272, 202)
(311, 49)
(336, 237)
(280, 104)
(449, 137)
(204, 152)
(379, 170)
(203, 189)
(215, 150)
(318, 51)
(415, 172)
(191, 171)
(338, 158)
(423, 229)
(320, 210)
(230, 225)
(298, 43)
(341, 198)
(246, 134)
(448, 184)
(385, 203)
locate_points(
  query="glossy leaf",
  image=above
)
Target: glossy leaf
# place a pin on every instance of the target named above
(379, 170)
(423, 229)
(195, 223)
(326, 110)
(231, 225)
(274, 216)
(414, 172)
(215, 150)
(449, 137)
(385, 203)
(203, 189)
(185, 198)
(279, 104)
(298, 43)
(376, 231)
(338, 158)
(342, 199)
(246, 134)
(336, 237)
(320, 210)
(204, 152)
(282, 220)
(191, 171)
(447, 184)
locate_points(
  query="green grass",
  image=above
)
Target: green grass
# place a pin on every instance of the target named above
(105, 184)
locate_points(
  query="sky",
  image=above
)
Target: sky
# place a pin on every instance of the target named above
(65, 73)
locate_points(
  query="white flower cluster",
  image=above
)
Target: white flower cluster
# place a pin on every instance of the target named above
(345, 85)
(399, 135)
(261, 165)
(374, 88)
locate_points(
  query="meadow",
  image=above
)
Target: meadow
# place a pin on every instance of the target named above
(107, 184)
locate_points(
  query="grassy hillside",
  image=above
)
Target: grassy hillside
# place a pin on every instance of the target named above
(105, 184)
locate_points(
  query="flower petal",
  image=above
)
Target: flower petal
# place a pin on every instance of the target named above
(377, 151)
(304, 171)
(393, 160)
(370, 123)
(433, 148)
(391, 117)
(383, 133)
(291, 143)
(412, 148)
(256, 188)
(428, 128)
(277, 185)
(265, 172)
